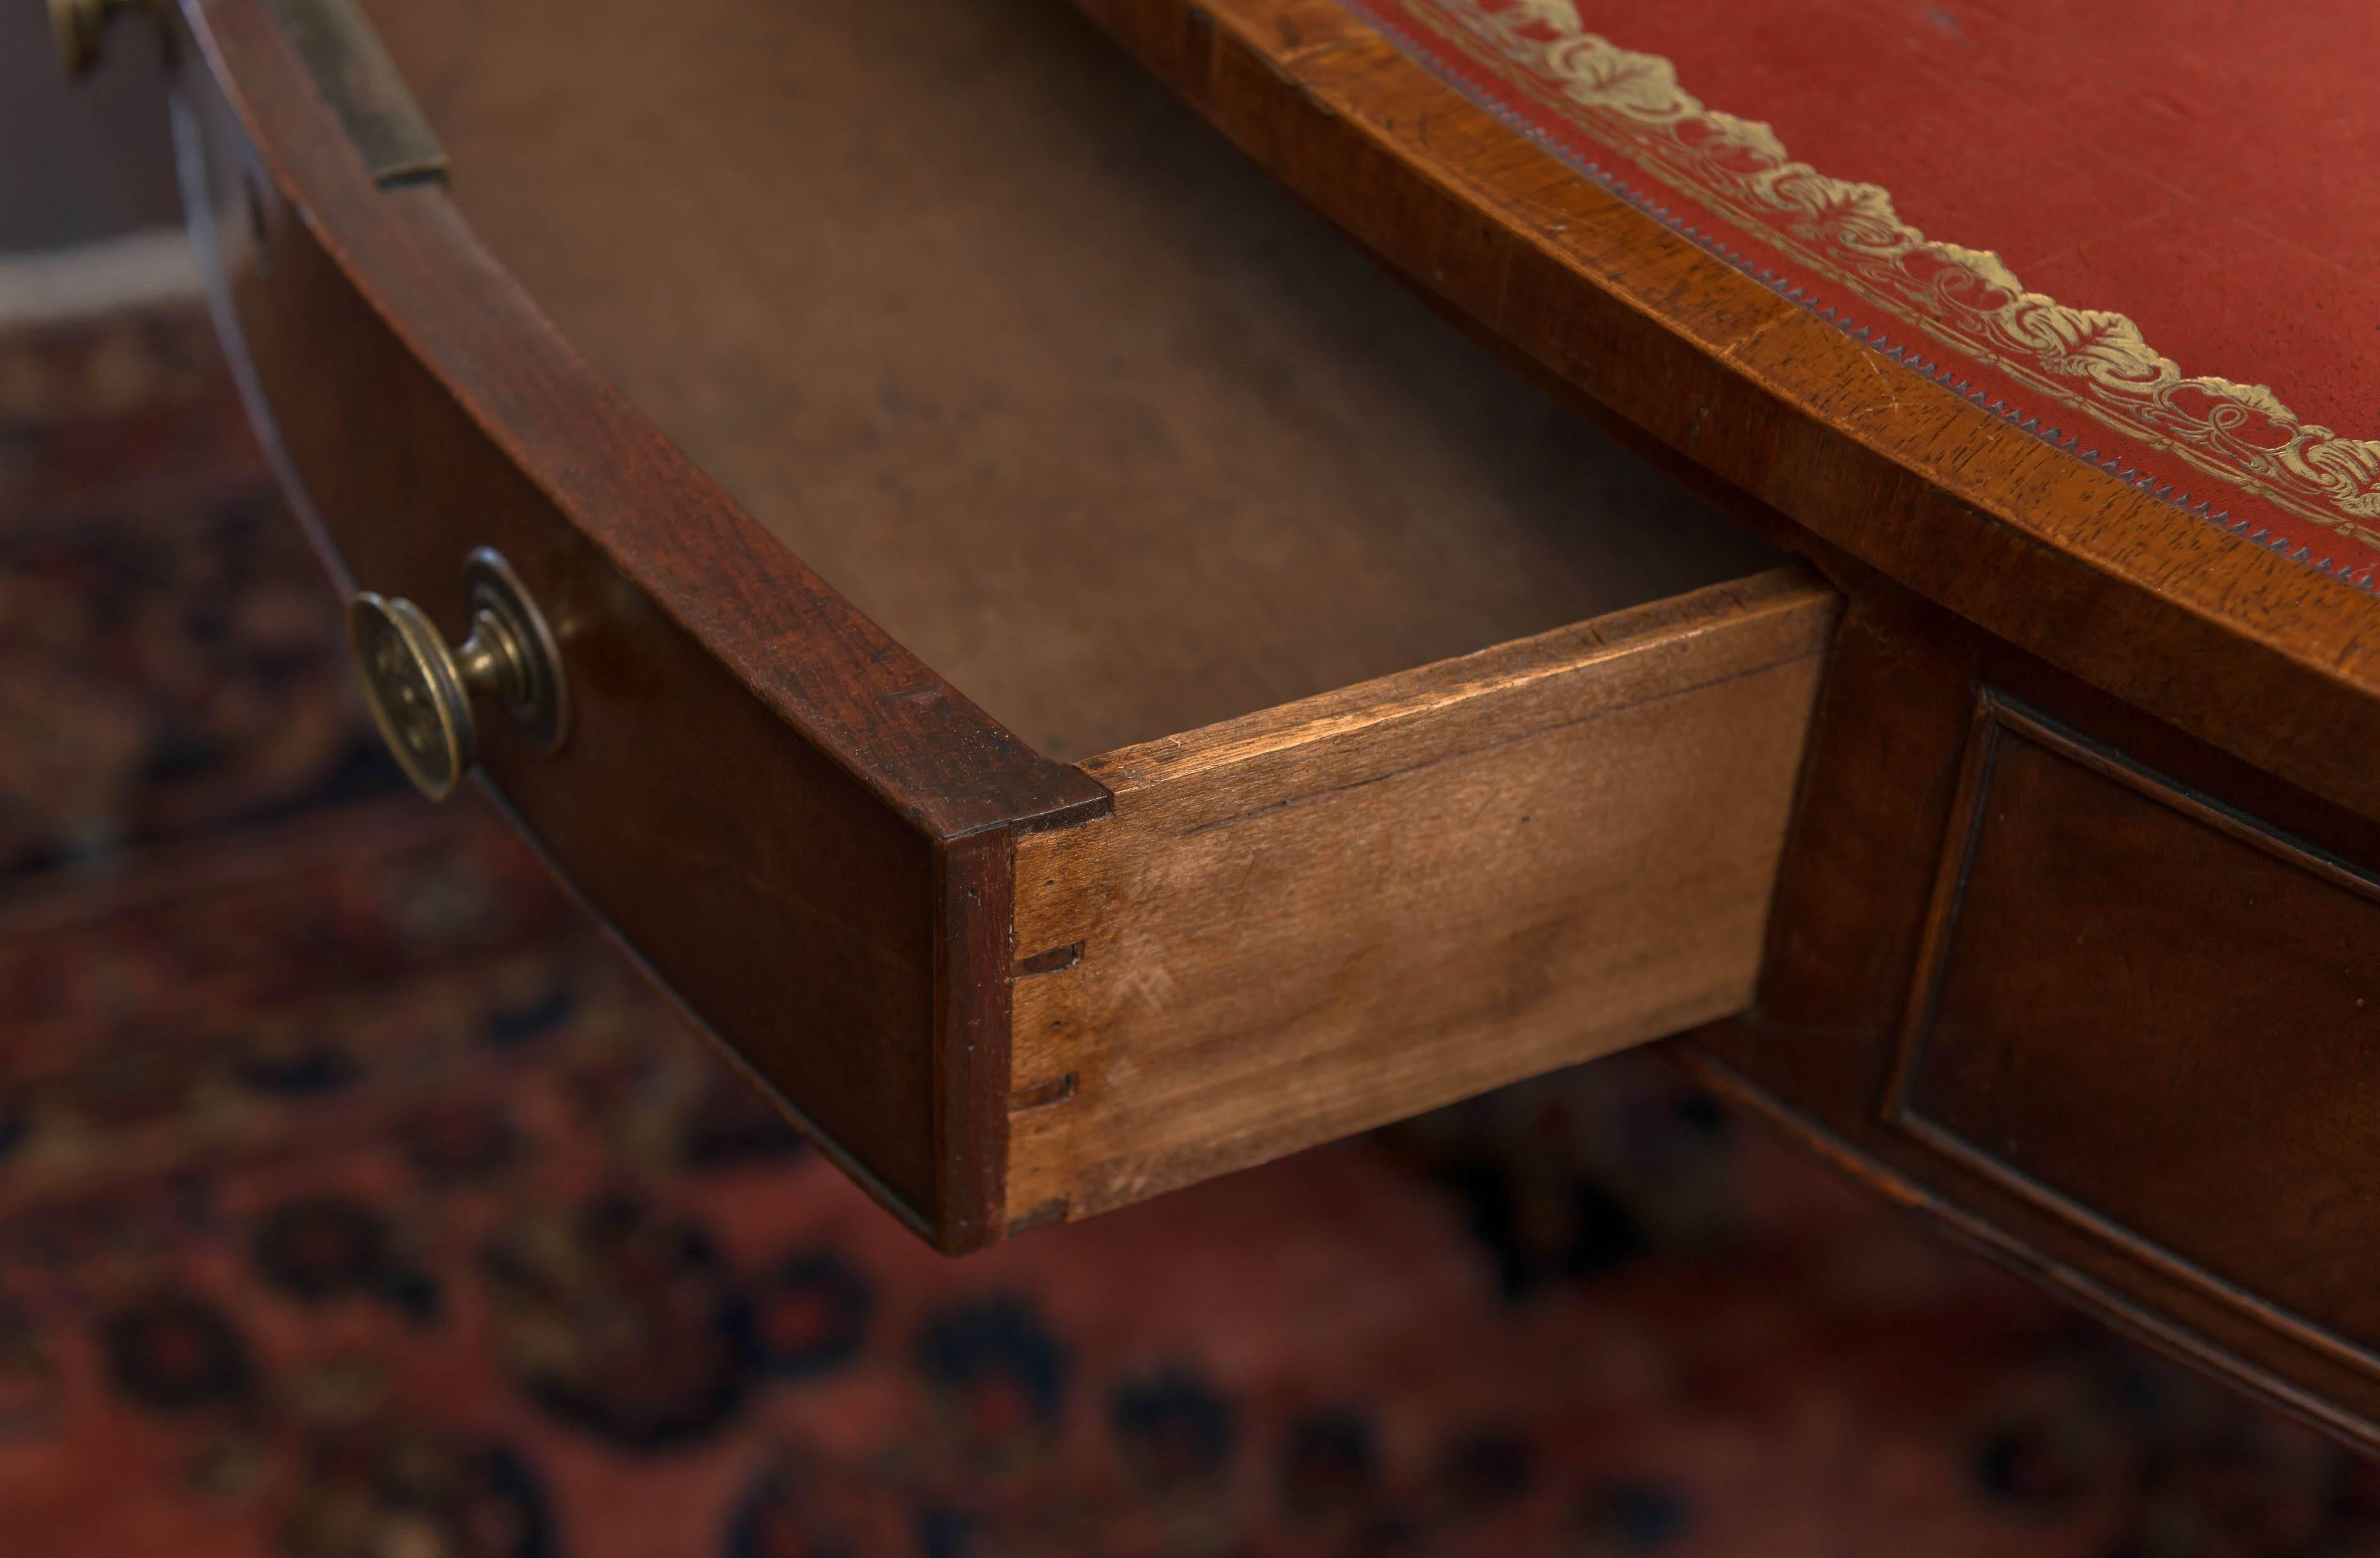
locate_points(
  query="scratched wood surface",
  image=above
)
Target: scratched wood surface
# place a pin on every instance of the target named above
(1338, 913)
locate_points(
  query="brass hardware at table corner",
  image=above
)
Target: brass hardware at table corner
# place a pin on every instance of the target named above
(347, 58)
(361, 84)
(419, 691)
(78, 26)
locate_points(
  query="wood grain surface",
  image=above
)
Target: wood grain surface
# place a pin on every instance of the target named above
(1025, 360)
(800, 829)
(1130, 447)
(2143, 1093)
(794, 824)
(2246, 650)
(1338, 913)
(2155, 1017)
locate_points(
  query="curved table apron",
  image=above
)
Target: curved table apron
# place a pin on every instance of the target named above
(2050, 314)
(2016, 849)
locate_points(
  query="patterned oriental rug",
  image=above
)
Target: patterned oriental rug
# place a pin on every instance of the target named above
(357, 1202)
(2132, 231)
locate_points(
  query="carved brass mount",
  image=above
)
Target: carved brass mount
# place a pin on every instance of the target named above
(419, 691)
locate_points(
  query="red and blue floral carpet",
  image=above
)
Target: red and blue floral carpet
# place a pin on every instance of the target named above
(357, 1202)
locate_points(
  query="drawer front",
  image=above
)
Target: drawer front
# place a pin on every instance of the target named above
(2160, 1019)
(1228, 944)
(2102, 999)
(790, 821)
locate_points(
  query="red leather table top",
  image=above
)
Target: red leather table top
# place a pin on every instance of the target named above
(2147, 232)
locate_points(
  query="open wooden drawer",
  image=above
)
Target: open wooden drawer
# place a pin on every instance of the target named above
(1381, 733)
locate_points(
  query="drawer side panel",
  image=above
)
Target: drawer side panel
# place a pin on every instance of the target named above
(1341, 912)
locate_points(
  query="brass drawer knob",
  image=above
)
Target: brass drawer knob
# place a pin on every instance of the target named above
(419, 691)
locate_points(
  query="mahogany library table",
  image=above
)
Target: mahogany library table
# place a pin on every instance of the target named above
(1104, 592)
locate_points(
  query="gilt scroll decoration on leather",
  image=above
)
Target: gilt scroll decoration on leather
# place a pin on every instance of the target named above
(2089, 379)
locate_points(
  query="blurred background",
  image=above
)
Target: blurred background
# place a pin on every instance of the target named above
(356, 1201)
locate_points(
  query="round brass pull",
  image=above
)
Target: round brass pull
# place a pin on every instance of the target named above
(419, 691)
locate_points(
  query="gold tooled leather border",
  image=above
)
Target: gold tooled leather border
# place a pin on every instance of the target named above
(2093, 359)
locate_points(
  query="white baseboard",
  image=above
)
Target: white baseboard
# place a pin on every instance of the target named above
(137, 270)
